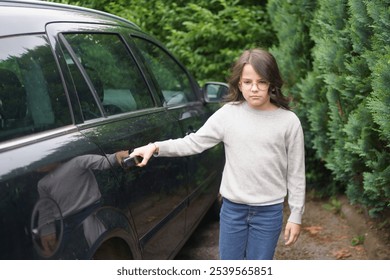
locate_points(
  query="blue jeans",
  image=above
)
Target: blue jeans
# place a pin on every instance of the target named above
(249, 232)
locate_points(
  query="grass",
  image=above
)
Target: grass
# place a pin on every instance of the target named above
(357, 240)
(334, 205)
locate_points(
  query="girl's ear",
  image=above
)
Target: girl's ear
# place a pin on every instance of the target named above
(239, 86)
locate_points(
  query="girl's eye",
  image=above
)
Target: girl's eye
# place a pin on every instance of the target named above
(261, 82)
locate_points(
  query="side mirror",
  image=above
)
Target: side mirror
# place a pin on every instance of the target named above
(214, 92)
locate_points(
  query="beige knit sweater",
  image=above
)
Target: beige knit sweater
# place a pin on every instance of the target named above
(264, 151)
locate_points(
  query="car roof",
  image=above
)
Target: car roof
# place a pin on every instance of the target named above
(22, 17)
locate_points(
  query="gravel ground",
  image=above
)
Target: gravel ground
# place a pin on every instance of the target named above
(327, 234)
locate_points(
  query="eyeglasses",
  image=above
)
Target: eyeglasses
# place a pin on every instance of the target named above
(261, 85)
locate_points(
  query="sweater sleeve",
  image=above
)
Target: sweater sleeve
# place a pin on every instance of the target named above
(95, 162)
(209, 135)
(296, 182)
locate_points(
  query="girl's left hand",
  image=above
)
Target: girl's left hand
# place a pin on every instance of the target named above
(291, 233)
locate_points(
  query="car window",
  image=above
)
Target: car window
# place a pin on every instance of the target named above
(117, 81)
(170, 76)
(32, 97)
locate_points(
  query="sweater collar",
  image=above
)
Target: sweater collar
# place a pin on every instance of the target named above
(249, 109)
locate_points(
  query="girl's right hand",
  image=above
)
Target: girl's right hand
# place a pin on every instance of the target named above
(146, 152)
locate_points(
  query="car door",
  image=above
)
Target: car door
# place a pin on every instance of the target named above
(181, 96)
(39, 146)
(120, 112)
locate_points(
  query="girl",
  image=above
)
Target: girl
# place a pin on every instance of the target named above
(261, 134)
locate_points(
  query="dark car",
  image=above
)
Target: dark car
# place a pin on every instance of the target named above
(76, 87)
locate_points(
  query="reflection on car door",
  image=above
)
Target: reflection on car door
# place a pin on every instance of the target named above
(120, 113)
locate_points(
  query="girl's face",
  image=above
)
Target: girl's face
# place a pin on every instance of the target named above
(255, 89)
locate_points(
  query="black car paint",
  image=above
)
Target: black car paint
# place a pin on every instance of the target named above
(143, 213)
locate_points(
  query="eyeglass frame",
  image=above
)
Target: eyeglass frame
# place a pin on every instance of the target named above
(260, 85)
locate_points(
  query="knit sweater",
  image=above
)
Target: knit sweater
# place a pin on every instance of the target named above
(264, 152)
(73, 184)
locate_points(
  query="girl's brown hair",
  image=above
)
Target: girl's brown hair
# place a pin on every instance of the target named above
(265, 66)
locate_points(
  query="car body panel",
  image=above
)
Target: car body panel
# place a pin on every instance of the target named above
(39, 14)
(63, 195)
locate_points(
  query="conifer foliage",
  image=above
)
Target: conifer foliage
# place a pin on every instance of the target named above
(206, 35)
(345, 94)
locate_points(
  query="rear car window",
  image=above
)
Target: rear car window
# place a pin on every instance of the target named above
(116, 80)
(32, 97)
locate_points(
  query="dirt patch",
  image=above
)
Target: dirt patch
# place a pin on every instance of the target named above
(324, 236)
(331, 230)
(375, 232)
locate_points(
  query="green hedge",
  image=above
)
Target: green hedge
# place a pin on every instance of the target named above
(206, 35)
(342, 84)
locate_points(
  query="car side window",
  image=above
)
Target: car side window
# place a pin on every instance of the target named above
(170, 76)
(32, 97)
(118, 84)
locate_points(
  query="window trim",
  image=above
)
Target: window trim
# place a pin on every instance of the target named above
(66, 44)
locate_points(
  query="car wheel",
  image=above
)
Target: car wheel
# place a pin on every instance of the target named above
(113, 249)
